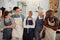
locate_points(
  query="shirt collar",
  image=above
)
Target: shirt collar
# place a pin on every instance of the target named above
(40, 17)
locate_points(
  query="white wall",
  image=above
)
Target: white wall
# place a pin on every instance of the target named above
(1, 3)
(34, 6)
(31, 5)
(9, 4)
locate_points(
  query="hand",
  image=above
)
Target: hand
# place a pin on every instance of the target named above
(40, 34)
(10, 26)
(44, 27)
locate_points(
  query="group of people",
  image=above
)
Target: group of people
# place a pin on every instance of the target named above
(18, 27)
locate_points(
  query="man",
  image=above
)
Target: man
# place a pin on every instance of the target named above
(51, 25)
(39, 25)
(29, 26)
(17, 32)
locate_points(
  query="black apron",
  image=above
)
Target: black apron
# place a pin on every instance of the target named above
(28, 32)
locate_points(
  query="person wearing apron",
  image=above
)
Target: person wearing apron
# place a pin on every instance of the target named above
(28, 27)
(17, 32)
(51, 24)
(7, 22)
(39, 29)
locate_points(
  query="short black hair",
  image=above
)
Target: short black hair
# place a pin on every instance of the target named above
(15, 8)
(6, 13)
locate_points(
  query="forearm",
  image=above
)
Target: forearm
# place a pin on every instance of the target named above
(52, 27)
(43, 29)
(10, 26)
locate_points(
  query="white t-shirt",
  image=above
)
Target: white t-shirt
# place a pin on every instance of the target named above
(29, 26)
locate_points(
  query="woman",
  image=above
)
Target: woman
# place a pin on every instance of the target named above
(28, 27)
(7, 22)
(51, 25)
(39, 26)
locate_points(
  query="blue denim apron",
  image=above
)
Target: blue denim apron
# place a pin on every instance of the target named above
(7, 32)
(38, 28)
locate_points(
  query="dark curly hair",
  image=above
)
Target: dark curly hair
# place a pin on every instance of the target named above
(49, 13)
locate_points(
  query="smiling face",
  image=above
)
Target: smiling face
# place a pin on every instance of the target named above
(8, 15)
(17, 11)
(40, 13)
(30, 14)
(49, 13)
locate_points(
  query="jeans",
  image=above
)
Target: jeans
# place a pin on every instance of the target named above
(37, 35)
